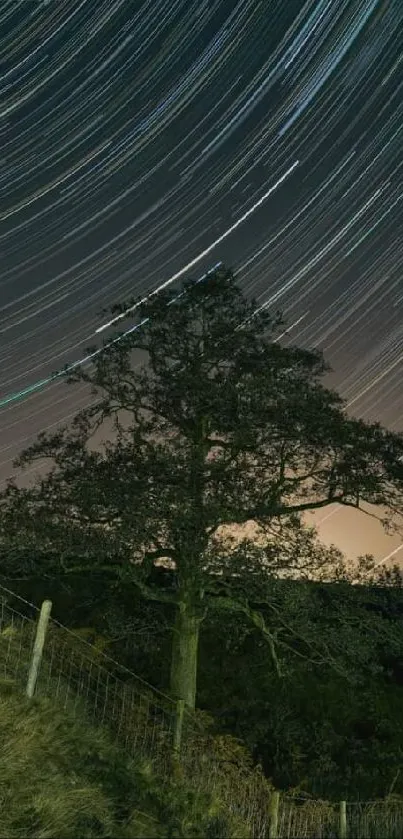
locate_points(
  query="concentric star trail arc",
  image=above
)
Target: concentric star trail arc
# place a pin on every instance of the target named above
(154, 138)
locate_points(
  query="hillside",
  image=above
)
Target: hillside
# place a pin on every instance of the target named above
(64, 774)
(61, 776)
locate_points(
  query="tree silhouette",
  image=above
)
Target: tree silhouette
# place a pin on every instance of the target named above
(221, 425)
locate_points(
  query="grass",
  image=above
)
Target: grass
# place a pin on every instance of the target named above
(61, 776)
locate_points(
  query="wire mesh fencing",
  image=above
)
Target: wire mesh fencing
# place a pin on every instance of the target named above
(72, 672)
(308, 819)
(299, 818)
(375, 819)
(220, 765)
(141, 719)
(150, 725)
(145, 722)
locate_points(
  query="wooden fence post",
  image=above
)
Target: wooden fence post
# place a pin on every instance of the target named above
(342, 820)
(273, 814)
(41, 628)
(178, 726)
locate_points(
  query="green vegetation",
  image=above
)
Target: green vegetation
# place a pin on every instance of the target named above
(223, 426)
(61, 776)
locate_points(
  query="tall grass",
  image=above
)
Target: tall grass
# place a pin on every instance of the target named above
(92, 756)
(62, 777)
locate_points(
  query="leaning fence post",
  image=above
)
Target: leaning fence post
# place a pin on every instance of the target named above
(41, 628)
(176, 764)
(342, 820)
(178, 725)
(273, 814)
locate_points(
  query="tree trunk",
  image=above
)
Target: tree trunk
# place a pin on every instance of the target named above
(185, 643)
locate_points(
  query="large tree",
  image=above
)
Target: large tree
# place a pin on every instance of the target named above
(220, 425)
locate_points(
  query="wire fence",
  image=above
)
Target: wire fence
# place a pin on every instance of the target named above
(72, 672)
(152, 726)
(308, 819)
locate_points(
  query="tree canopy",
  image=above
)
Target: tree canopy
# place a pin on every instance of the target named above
(219, 426)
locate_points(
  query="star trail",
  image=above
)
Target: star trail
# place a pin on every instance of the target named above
(146, 141)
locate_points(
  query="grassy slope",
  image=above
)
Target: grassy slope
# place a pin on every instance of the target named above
(60, 776)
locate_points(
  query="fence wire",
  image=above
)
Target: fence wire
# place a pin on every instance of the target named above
(73, 673)
(143, 721)
(302, 819)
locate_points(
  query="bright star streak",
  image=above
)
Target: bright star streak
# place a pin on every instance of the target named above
(205, 252)
(14, 397)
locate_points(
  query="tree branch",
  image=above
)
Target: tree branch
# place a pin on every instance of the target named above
(257, 619)
(281, 510)
(152, 594)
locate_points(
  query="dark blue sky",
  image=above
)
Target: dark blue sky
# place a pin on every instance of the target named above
(136, 135)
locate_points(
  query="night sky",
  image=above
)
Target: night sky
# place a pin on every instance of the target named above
(143, 142)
